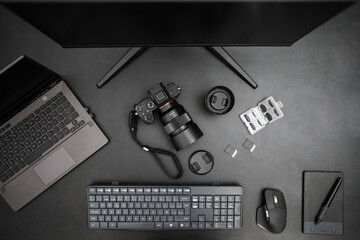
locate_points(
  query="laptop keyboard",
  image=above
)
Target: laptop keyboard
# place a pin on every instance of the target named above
(24, 143)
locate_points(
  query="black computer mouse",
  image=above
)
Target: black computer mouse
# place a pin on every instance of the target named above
(272, 215)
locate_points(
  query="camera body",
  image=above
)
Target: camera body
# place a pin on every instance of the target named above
(157, 97)
(177, 122)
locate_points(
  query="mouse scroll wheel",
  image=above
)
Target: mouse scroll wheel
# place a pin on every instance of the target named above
(267, 215)
(275, 200)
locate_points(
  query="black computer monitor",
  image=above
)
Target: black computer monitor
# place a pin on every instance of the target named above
(146, 24)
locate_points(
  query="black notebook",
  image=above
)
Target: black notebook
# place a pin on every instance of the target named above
(316, 186)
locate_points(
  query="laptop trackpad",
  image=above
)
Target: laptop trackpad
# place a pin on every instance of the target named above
(54, 165)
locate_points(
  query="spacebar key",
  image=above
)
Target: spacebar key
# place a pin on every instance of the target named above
(36, 154)
(135, 225)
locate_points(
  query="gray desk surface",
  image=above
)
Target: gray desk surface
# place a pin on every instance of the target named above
(317, 79)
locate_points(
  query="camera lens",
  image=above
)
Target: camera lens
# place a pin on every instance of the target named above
(179, 125)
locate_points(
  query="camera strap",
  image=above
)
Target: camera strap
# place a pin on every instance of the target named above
(133, 122)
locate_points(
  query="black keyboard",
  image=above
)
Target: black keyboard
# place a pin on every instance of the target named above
(23, 144)
(165, 207)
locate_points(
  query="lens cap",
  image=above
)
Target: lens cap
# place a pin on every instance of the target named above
(201, 162)
(219, 100)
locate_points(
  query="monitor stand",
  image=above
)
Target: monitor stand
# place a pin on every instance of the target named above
(219, 52)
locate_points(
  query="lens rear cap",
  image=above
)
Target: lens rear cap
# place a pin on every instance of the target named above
(219, 100)
(201, 162)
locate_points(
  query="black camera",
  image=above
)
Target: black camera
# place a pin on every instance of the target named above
(177, 122)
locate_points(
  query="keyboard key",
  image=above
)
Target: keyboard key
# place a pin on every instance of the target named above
(53, 106)
(67, 112)
(15, 168)
(66, 105)
(61, 125)
(60, 118)
(94, 205)
(26, 127)
(186, 191)
(42, 115)
(171, 225)
(61, 100)
(69, 119)
(4, 178)
(10, 173)
(34, 146)
(60, 135)
(54, 139)
(22, 154)
(185, 199)
(92, 190)
(4, 160)
(237, 220)
(10, 147)
(54, 122)
(219, 224)
(178, 190)
(184, 225)
(21, 164)
(94, 225)
(54, 113)
(94, 211)
(38, 134)
(237, 208)
(182, 218)
(27, 134)
(43, 130)
(132, 225)
(32, 130)
(104, 225)
(4, 168)
(47, 111)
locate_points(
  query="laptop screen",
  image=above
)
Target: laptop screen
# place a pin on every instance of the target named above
(20, 83)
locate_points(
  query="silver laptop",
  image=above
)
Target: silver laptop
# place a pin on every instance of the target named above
(45, 132)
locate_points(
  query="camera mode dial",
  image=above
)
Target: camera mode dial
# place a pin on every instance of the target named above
(150, 105)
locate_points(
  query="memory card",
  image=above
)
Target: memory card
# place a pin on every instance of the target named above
(249, 145)
(231, 151)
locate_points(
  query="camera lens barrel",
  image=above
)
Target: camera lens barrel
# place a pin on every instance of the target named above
(179, 125)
